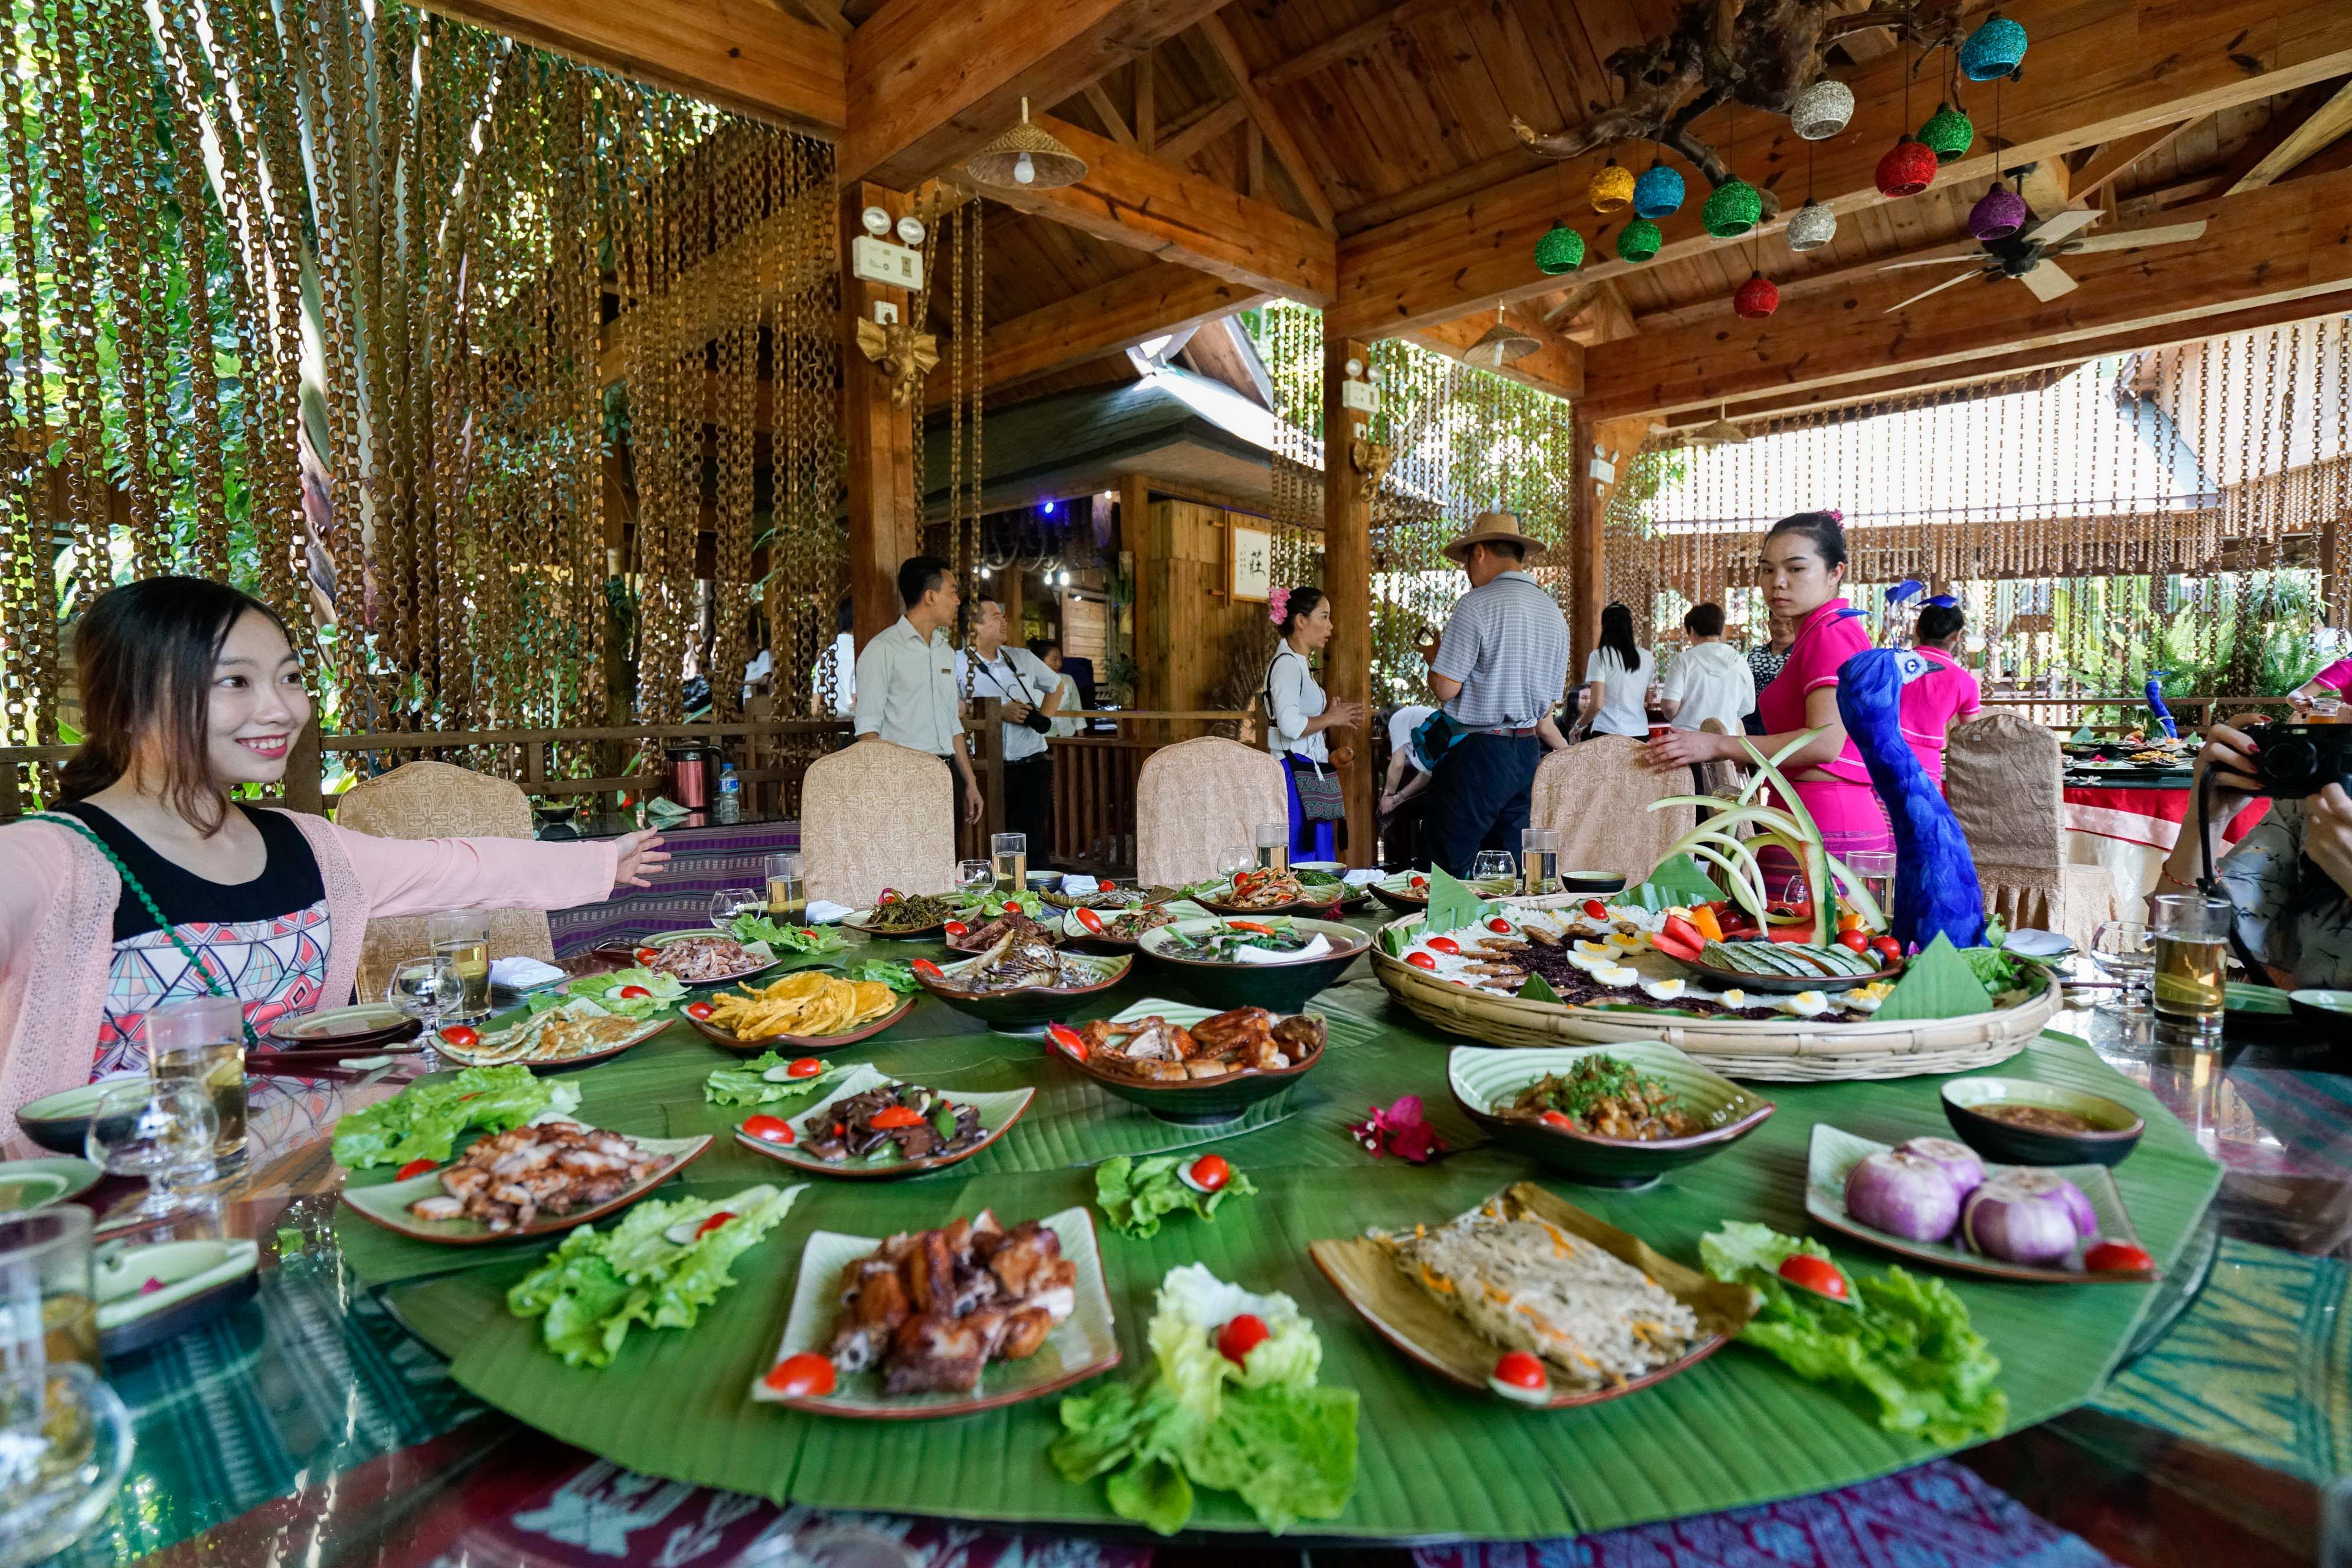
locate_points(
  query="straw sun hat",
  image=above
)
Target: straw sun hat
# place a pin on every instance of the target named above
(1495, 528)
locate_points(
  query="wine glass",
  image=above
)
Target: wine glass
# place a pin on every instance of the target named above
(1235, 859)
(162, 1131)
(2126, 951)
(726, 905)
(975, 875)
(425, 988)
(1493, 865)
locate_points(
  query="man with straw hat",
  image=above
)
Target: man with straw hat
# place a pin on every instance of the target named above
(1499, 668)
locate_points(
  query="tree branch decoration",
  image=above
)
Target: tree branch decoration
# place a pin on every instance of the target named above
(1759, 53)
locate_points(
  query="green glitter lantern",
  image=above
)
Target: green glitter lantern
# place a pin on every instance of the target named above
(1640, 241)
(1733, 209)
(1950, 132)
(1561, 250)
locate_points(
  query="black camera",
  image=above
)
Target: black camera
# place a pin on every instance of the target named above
(1039, 722)
(2296, 760)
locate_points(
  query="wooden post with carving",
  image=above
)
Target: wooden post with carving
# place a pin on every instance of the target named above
(885, 512)
(1348, 579)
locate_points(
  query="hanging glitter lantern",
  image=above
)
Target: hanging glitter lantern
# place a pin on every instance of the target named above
(1995, 49)
(1813, 227)
(1561, 250)
(1757, 299)
(1908, 168)
(1822, 110)
(1640, 241)
(1949, 132)
(1658, 193)
(1611, 191)
(1733, 209)
(1999, 213)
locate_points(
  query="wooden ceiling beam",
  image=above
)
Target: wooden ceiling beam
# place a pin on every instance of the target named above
(2111, 161)
(1267, 117)
(1364, 34)
(2290, 243)
(932, 81)
(1121, 314)
(1805, 284)
(1130, 199)
(1113, 120)
(2098, 72)
(749, 56)
(2306, 136)
(1203, 128)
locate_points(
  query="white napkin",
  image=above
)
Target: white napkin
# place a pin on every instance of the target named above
(522, 973)
(1314, 949)
(1074, 882)
(1362, 876)
(824, 911)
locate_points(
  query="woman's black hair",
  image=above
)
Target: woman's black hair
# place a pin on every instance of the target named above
(1042, 646)
(145, 652)
(1617, 636)
(1300, 604)
(1937, 622)
(1822, 528)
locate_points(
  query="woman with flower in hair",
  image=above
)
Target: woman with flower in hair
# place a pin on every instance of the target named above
(1297, 715)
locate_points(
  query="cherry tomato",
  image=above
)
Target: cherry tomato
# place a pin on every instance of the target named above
(1853, 941)
(1887, 948)
(1416, 881)
(928, 970)
(889, 896)
(769, 1129)
(1420, 961)
(647, 954)
(957, 928)
(1818, 1274)
(1520, 1370)
(805, 1066)
(1212, 1171)
(1849, 922)
(1596, 908)
(2115, 1257)
(1557, 1120)
(1445, 944)
(415, 1168)
(1091, 919)
(807, 1375)
(1499, 926)
(462, 1036)
(633, 993)
(1067, 1038)
(713, 1223)
(894, 1116)
(697, 1009)
(1241, 1334)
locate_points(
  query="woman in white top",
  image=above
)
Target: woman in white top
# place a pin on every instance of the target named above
(1049, 652)
(1619, 673)
(1297, 712)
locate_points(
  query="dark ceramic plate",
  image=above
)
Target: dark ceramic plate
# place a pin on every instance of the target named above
(1964, 1100)
(1279, 987)
(1029, 1006)
(1479, 1077)
(1201, 1102)
(803, 1043)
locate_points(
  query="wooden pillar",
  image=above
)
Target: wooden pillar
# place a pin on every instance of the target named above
(1150, 556)
(885, 512)
(1347, 580)
(1586, 565)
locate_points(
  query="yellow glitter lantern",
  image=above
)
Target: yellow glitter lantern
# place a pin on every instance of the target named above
(1611, 191)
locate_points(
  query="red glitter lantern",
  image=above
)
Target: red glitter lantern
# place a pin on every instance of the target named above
(1908, 168)
(1759, 296)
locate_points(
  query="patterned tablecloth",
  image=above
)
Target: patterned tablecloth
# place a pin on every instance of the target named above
(703, 861)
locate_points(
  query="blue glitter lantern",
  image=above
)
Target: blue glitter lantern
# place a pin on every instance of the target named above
(1658, 193)
(1994, 49)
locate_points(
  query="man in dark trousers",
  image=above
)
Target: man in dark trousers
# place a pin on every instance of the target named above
(1499, 668)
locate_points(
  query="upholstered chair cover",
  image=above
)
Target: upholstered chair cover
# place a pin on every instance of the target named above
(440, 799)
(877, 814)
(2004, 778)
(1596, 795)
(1197, 798)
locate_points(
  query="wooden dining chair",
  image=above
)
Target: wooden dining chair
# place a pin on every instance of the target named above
(440, 799)
(877, 814)
(2004, 779)
(1596, 795)
(1197, 798)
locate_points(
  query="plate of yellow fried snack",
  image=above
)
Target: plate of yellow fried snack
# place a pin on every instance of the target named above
(807, 1007)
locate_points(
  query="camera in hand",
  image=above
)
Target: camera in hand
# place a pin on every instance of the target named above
(2296, 760)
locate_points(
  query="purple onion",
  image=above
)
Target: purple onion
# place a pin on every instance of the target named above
(1905, 1194)
(1959, 1161)
(2027, 1217)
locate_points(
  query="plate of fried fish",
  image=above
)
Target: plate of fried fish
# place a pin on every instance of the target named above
(970, 1316)
(569, 1035)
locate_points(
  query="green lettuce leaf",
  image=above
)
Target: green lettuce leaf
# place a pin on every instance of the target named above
(1289, 1452)
(743, 1085)
(424, 1120)
(1134, 1194)
(896, 972)
(782, 938)
(604, 990)
(591, 1289)
(1904, 1351)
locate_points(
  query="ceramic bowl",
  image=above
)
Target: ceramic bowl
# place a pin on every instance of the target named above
(1480, 1076)
(1277, 987)
(1592, 884)
(61, 1120)
(1031, 1005)
(2328, 1012)
(1966, 1100)
(1197, 1101)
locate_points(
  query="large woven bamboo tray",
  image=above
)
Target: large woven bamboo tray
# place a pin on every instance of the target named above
(1798, 1051)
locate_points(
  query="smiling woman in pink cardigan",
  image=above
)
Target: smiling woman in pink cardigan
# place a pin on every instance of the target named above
(190, 689)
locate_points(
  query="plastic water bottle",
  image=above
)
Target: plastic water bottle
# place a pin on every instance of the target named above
(731, 796)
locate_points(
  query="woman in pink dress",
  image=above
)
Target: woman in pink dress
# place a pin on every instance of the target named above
(148, 883)
(1800, 571)
(1934, 703)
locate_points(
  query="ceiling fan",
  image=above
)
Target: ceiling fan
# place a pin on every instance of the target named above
(2026, 256)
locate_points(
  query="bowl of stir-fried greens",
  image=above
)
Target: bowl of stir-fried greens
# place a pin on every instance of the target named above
(1276, 962)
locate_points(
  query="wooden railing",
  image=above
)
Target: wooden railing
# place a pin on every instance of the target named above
(1095, 778)
(2067, 714)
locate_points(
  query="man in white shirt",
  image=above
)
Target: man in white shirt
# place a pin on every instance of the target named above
(905, 677)
(1020, 681)
(1710, 678)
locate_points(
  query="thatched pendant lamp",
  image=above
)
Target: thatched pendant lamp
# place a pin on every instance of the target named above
(1500, 345)
(1026, 157)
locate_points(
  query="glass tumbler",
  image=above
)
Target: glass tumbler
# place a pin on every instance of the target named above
(2191, 937)
(48, 1301)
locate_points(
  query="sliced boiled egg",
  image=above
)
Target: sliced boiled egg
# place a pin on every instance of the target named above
(1616, 973)
(1520, 1378)
(1626, 942)
(1664, 990)
(1592, 949)
(1733, 998)
(1807, 1003)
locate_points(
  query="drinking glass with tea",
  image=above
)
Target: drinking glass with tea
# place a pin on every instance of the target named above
(462, 937)
(1008, 855)
(201, 1042)
(2191, 937)
(1539, 861)
(48, 1300)
(788, 888)
(1274, 847)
